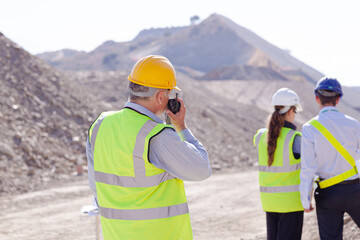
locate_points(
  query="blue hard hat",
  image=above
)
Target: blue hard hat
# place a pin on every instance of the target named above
(330, 85)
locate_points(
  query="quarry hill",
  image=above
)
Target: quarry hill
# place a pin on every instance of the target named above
(216, 48)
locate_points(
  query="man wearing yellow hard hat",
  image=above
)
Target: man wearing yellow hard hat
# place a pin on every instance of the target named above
(137, 163)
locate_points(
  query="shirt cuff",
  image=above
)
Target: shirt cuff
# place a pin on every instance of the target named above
(306, 205)
(186, 135)
(305, 200)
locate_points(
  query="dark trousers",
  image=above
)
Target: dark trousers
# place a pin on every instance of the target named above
(332, 203)
(284, 226)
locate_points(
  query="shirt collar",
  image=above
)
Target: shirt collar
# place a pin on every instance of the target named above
(289, 125)
(143, 110)
(327, 109)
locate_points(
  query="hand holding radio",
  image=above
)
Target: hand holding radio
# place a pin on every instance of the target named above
(176, 112)
(174, 105)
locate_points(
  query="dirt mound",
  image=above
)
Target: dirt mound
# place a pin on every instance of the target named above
(44, 121)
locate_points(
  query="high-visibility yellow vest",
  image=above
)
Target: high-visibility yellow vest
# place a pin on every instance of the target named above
(343, 152)
(136, 199)
(279, 183)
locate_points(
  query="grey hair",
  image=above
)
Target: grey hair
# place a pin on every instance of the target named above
(138, 92)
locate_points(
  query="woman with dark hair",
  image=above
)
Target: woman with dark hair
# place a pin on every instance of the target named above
(279, 168)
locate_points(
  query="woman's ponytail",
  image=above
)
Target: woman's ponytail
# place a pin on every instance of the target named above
(275, 124)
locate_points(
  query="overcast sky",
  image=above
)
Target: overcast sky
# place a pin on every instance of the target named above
(324, 34)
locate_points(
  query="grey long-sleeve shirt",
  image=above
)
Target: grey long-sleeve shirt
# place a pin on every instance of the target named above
(180, 154)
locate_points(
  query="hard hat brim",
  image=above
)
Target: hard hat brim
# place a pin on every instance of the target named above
(177, 88)
(298, 107)
(152, 86)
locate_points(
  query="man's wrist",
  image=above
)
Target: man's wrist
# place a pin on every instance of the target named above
(180, 127)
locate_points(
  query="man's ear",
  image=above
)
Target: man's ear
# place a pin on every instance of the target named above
(337, 101)
(317, 99)
(159, 96)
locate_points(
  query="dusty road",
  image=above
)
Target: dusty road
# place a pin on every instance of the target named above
(226, 206)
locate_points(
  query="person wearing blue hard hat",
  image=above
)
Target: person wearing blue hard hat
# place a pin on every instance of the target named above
(330, 149)
(328, 87)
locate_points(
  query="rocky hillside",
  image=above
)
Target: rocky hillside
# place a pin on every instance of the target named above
(44, 121)
(216, 48)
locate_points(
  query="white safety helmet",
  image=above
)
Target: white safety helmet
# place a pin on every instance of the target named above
(287, 98)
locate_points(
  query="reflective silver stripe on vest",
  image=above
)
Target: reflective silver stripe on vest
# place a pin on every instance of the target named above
(139, 164)
(280, 189)
(277, 169)
(127, 181)
(286, 153)
(95, 131)
(145, 214)
(286, 159)
(257, 138)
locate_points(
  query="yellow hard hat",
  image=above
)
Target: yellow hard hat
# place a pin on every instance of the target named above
(154, 71)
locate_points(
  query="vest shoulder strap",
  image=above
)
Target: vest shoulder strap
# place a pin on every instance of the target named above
(258, 135)
(343, 152)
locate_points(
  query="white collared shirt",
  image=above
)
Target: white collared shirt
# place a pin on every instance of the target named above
(319, 157)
